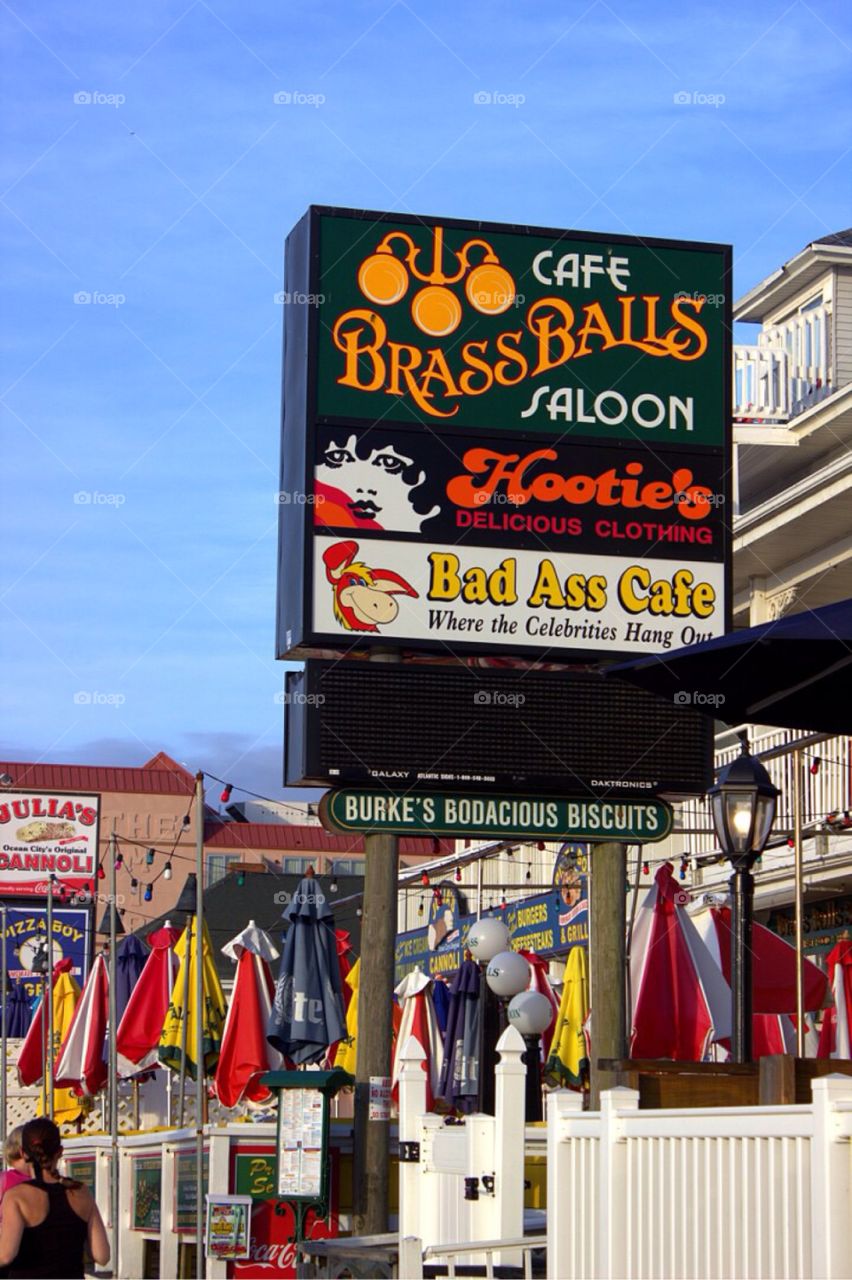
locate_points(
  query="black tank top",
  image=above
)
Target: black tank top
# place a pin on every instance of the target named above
(54, 1249)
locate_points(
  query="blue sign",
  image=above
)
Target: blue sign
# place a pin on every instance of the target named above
(548, 923)
(26, 943)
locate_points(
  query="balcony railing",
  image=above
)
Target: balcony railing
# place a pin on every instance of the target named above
(787, 371)
(826, 791)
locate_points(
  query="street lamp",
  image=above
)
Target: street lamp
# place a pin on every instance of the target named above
(486, 939)
(532, 1013)
(742, 804)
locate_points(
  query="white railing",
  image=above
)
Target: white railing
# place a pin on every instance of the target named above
(787, 371)
(461, 1186)
(715, 1192)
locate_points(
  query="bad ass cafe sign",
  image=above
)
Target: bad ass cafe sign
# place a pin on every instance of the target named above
(502, 438)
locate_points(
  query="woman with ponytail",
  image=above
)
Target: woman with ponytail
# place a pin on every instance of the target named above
(47, 1221)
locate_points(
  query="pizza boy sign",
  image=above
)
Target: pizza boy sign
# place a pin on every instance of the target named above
(44, 833)
(457, 390)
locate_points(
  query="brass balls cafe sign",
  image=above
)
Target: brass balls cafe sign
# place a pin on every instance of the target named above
(502, 438)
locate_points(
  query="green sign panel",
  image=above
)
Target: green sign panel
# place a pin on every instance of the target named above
(186, 1197)
(147, 1172)
(351, 809)
(82, 1170)
(255, 1175)
(521, 329)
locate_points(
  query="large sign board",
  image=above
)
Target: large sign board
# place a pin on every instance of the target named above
(456, 814)
(502, 438)
(430, 727)
(44, 832)
(27, 949)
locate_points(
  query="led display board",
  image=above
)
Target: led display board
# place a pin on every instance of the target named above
(430, 727)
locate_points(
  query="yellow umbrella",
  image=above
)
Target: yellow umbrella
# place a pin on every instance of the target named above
(176, 1047)
(67, 1106)
(568, 1063)
(347, 1050)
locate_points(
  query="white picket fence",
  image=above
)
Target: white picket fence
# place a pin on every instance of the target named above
(758, 1192)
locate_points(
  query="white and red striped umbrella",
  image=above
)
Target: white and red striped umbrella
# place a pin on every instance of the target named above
(773, 965)
(80, 1065)
(139, 1029)
(246, 1053)
(835, 1038)
(414, 994)
(681, 1003)
(540, 982)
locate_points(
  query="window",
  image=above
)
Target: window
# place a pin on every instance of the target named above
(217, 866)
(295, 866)
(348, 866)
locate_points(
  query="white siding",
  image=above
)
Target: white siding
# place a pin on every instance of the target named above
(842, 327)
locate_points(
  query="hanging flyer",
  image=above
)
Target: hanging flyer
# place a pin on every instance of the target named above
(228, 1220)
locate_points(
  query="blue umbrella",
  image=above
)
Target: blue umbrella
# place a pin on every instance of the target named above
(307, 1013)
(441, 1001)
(19, 1014)
(459, 1084)
(129, 962)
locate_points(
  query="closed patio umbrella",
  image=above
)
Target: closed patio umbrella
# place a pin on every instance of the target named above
(414, 994)
(246, 1054)
(140, 1025)
(835, 1039)
(459, 1082)
(19, 1015)
(307, 1014)
(568, 1062)
(773, 964)
(681, 1003)
(80, 1065)
(179, 1036)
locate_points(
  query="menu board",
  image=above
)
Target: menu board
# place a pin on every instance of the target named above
(82, 1169)
(228, 1226)
(302, 1121)
(147, 1171)
(186, 1191)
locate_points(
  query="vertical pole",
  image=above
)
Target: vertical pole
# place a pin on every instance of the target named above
(489, 1033)
(532, 1086)
(607, 947)
(4, 998)
(742, 901)
(48, 996)
(113, 1065)
(373, 1058)
(188, 937)
(371, 1155)
(200, 1090)
(799, 903)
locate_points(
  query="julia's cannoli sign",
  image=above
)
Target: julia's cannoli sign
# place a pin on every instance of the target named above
(44, 833)
(502, 439)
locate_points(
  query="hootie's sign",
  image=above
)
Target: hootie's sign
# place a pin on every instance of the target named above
(502, 439)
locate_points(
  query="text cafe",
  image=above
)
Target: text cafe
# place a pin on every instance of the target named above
(547, 923)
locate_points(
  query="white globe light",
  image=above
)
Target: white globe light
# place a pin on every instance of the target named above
(530, 1012)
(508, 973)
(487, 937)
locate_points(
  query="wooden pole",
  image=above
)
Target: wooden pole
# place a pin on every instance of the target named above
(607, 946)
(375, 990)
(800, 903)
(115, 1204)
(200, 1089)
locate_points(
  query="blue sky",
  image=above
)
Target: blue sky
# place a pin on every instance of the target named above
(148, 165)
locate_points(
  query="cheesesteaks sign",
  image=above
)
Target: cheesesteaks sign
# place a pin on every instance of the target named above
(501, 438)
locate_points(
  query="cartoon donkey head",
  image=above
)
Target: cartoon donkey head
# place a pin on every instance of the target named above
(363, 598)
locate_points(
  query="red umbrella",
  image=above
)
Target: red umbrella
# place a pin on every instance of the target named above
(540, 981)
(418, 1019)
(773, 965)
(835, 1037)
(245, 1053)
(681, 1003)
(139, 1029)
(80, 1065)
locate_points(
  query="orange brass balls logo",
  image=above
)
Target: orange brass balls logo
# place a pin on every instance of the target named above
(385, 279)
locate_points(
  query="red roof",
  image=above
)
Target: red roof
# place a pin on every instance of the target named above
(161, 776)
(266, 836)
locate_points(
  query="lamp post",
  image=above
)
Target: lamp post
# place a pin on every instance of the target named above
(486, 939)
(532, 1013)
(742, 804)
